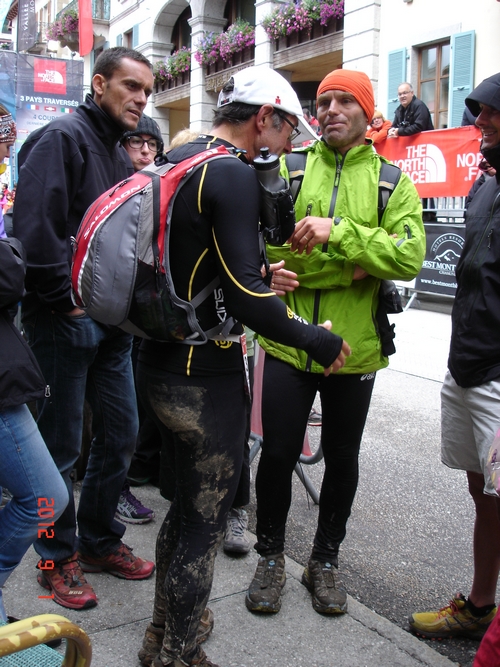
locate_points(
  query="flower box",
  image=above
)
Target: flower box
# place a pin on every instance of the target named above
(174, 82)
(220, 51)
(239, 58)
(315, 32)
(71, 40)
(297, 21)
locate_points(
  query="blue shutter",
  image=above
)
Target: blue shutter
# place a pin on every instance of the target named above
(397, 76)
(119, 40)
(461, 74)
(135, 35)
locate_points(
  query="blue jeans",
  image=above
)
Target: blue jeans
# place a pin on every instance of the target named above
(39, 494)
(81, 358)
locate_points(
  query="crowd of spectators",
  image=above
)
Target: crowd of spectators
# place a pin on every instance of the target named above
(194, 427)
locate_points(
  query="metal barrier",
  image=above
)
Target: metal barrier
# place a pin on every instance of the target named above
(256, 438)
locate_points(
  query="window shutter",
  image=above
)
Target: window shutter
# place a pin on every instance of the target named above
(397, 76)
(119, 40)
(461, 75)
(135, 35)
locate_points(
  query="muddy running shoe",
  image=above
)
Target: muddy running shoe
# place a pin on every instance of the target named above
(68, 585)
(315, 418)
(328, 595)
(264, 593)
(200, 661)
(454, 620)
(120, 563)
(130, 509)
(153, 637)
(235, 540)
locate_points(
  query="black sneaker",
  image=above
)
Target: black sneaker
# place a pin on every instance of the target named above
(264, 593)
(328, 595)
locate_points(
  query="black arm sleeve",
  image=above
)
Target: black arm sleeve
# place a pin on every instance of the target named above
(235, 213)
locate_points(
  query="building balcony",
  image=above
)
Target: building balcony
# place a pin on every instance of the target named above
(100, 9)
(320, 42)
(173, 90)
(219, 72)
(40, 45)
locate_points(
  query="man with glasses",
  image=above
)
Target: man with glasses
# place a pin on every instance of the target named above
(412, 115)
(196, 394)
(144, 143)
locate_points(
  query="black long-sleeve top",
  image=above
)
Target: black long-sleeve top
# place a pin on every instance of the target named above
(214, 231)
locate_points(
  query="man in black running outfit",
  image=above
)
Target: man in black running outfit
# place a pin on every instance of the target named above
(196, 393)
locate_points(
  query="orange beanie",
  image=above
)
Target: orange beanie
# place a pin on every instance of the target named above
(356, 83)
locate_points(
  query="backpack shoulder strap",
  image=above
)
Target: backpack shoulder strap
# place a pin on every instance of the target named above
(388, 179)
(296, 165)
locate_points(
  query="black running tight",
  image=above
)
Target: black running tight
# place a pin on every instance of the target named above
(287, 397)
(202, 423)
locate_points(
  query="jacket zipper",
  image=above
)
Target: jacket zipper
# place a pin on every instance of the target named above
(317, 293)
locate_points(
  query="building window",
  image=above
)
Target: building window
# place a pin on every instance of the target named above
(239, 9)
(181, 32)
(127, 39)
(433, 81)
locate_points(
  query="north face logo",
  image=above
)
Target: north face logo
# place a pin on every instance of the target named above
(424, 163)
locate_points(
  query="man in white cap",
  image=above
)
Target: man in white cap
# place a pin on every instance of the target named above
(196, 393)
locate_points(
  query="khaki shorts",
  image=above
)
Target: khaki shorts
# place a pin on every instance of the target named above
(470, 419)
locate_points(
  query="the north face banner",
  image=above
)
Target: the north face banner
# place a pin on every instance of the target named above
(441, 163)
(46, 88)
(50, 76)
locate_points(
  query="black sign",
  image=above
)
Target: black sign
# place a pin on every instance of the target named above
(443, 248)
(26, 25)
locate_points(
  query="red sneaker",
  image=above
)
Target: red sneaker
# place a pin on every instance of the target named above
(68, 585)
(120, 563)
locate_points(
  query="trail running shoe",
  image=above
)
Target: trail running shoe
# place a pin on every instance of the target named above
(235, 540)
(328, 595)
(153, 637)
(454, 620)
(315, 418)
(68, 585)
(130, 509)
(120, 563)
(264, 593)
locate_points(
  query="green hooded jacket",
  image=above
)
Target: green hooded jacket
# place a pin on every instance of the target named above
(327, 290)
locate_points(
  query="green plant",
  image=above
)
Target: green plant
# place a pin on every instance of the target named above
(176, 64)
(286, 19)
(65, 24)
(237, 37)
(297, 16)
(213, 46)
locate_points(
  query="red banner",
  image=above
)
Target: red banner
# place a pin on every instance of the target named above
(49, 76)
(441, 163)
(85, 27)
